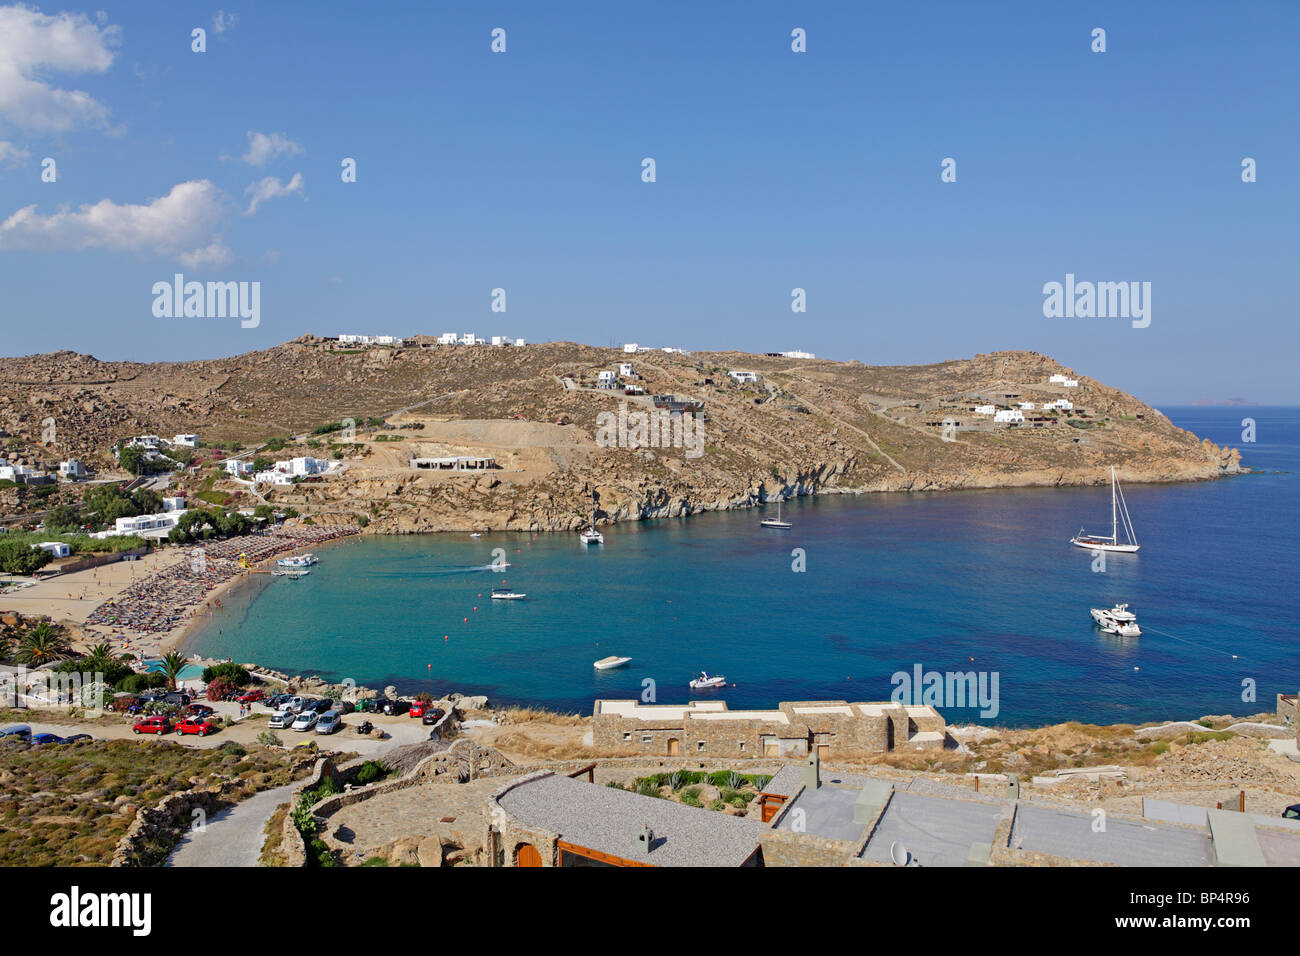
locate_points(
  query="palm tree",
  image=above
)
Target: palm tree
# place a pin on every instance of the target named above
(43, 643)
(99, 658)
(172, 665)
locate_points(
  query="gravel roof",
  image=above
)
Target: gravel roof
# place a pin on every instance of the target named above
(609, 821)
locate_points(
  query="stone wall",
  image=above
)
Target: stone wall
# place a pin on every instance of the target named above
(508, 834)
(168, 819)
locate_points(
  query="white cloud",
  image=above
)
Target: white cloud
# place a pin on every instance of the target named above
(34, 45)
(180, 224)
(11, 155)
(263, 148)
(223, 21)
(272, 188)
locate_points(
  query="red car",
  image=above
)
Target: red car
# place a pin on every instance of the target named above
(196, 725)
(199, 710)
(418, 708)
(249, 697)
(152, 725)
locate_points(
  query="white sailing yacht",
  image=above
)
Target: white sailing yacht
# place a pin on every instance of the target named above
(591, 535)
(1118, 518)
(776, 522)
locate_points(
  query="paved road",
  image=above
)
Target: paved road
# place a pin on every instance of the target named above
(233, 837)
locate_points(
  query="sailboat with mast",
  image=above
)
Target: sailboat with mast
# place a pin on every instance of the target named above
(1119, 520)
(776, 522)
(591, 535)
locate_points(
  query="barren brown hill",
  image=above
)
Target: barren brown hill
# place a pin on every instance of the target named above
(805, 426)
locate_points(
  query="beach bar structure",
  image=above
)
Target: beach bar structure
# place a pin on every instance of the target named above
(455, 463)
(828, 728)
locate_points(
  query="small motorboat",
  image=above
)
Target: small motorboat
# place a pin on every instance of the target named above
(507, 594)
(475, 534)
(299, 561)
(776, 522)
(609, 663)
(1118, 620)
(707, 682)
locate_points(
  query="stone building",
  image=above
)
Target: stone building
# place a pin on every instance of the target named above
(829, 728)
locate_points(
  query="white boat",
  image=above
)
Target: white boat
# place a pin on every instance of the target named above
(1119, 518)
(776, 522)
(609, 663)
(295, 572)
(299, 561)
(706, 682)
(591, 535)
(475, 534)
(507, 594)
(1118, 620)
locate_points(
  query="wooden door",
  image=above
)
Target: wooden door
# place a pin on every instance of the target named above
(673, 746)
(526, 855)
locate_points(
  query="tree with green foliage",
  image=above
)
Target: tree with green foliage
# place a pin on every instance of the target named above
(172, 665)
(62, 518)
(18, 557)
(132, 458)
(227, 670)
(43, 643)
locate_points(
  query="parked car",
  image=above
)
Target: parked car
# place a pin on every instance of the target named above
(282, 720)
(371, 705)
(417, 708)
(296, 704)
(179, 698)
(345, 706)
(249, 696)
(77, 738)
(432, 715)
(1292, 812)
(395, 707)
(329, 722)
(278, 701)
(46, 739)
(305, 720)
(196, 725)
(323, 706)
(21, 731)
(152, 725)
(199, 710)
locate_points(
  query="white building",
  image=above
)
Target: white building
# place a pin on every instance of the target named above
(740, 376)
(237, 467)
(630, 348)
(304, 467)
(1062, 403)
(186, 441)
(1027, 406)
(500, 340)
(1070, 383)
(1011, 416)
(625, 368)
(520, 343)
(1059, 379)
(173, 504)
(984, 410)
(448, 338)
(18, 473)
(387, 340)
(60, 549)
(273, 477)
(798, 355)
(606, 378)
(148, 526)
(72, 468)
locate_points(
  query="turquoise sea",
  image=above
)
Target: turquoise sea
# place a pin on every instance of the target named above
(982, 580)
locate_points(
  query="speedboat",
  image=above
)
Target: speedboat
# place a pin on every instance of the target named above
(776, 522)
(609, 663)
(706, 682)
(1119, 519)
(299, 561)
(507, 594)
(1118, 620)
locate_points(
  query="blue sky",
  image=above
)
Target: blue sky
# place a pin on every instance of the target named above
(775, 170)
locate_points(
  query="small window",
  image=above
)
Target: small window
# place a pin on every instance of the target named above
(647, 740)
(700, 746)
(742, 745)
(627, 735)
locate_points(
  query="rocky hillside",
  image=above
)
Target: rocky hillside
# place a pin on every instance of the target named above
(805, 426)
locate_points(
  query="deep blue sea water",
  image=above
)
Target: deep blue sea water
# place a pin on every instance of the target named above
(981, 580)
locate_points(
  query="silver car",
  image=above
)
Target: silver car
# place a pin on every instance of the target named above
(282, 720)
(329, 722)
(306, 720)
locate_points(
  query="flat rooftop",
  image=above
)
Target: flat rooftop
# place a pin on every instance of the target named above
(1070, 834)
(936, 831)
(609, 821)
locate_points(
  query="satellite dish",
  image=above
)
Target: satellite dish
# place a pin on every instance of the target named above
(898, 854)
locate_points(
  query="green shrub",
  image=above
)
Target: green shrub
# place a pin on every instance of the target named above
(268, 738)
(371, 771)
(230, 671)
